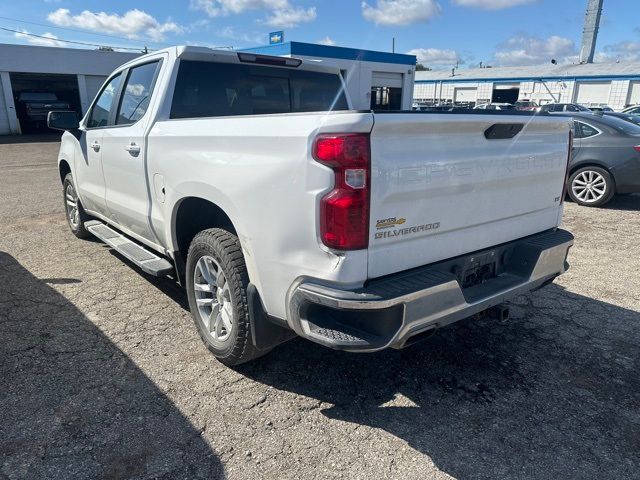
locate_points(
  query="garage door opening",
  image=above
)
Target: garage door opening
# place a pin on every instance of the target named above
(505, 95)
(36, 94)
(386, 91)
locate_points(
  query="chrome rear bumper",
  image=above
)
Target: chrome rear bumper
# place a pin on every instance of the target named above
(390, 311)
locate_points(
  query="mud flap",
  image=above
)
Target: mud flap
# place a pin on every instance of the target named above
(265, 334)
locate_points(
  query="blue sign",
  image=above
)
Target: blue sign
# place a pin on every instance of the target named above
(276, 37)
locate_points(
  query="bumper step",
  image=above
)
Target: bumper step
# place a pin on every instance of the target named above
(147, 260)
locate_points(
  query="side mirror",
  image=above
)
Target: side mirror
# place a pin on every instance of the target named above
(63, 120)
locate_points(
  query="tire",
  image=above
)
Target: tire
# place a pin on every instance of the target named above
(221, 314)
(76, 216)
(591, 186)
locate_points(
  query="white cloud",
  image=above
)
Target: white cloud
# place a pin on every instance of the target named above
(216, 8)
(49, 40)
(327, 41)
(628, 51)
(400, 12)
(430, 57)
(530, 50)
(132, 24)
(492, 4)
(290, 17)
(281, 12)
(230, 33)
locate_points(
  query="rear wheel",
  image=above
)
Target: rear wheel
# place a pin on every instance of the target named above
(76, 216)
(217, 283)
(591, 186)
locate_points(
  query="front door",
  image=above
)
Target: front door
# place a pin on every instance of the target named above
(88, 174)
(124, 153)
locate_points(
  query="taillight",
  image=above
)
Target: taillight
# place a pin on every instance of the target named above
(566, 171)
(637, 148)
(344, 211)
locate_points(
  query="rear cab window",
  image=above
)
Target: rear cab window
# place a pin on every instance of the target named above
(208, 89)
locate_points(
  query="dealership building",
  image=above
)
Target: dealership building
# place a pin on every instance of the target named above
(614, 84)
(378, 80)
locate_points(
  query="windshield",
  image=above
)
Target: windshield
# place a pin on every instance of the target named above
(38, 96)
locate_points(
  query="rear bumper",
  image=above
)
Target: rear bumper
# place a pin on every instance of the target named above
(392, 311)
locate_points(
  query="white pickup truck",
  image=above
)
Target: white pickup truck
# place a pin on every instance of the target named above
(249, 180)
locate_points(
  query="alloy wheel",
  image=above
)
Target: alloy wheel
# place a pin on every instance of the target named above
(71, 200)
(213, 298)
(589, 186)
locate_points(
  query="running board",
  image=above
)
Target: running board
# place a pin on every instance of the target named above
(148, 261)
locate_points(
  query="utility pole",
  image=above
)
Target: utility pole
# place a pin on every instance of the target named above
(590, 32)
(393, 45)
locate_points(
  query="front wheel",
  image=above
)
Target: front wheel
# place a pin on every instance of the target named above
(75, 214)
(591, 186)
(217, 283)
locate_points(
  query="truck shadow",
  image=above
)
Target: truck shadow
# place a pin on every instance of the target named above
(553, 393)
(75, 406)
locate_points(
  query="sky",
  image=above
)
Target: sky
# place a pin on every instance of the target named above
(441, 33)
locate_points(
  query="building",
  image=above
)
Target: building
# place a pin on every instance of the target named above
(614, 84)
(74, 75)
(375, 80)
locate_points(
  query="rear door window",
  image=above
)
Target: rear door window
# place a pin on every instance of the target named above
(207, 89)
(585, 131)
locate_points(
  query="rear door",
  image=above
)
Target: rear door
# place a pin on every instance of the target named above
(440, 188)
(124, 152)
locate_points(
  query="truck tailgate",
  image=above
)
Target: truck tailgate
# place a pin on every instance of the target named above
(440, 188)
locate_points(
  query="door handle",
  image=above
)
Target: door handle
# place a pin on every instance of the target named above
(96, 146)
(133, 149)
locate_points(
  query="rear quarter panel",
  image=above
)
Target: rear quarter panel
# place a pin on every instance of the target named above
(259, 170)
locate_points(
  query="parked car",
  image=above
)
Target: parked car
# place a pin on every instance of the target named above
(635, 119)
(33, 107)
(633, 110)
(563, 108)
(605, 160)
(283, 212)
(600, 108)
(495, 106)
(527, 105)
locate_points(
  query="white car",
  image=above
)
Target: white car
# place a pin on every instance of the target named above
(283, 212)
(495, 106)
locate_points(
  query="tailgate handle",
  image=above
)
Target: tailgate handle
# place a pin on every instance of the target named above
(503, 131)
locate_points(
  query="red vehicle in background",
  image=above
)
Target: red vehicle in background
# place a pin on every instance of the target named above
(526, 105)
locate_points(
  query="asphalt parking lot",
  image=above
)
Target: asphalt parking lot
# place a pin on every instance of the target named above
(102, 373)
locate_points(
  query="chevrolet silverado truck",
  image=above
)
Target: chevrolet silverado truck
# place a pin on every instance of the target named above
(283, 212)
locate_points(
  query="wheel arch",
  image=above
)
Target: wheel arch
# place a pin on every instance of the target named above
(589, 163)
(191, 215)
(64, 168)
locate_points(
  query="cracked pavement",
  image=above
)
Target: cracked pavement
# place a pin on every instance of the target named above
(102, 373)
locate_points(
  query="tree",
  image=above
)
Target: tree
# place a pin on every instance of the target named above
(421, 68)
